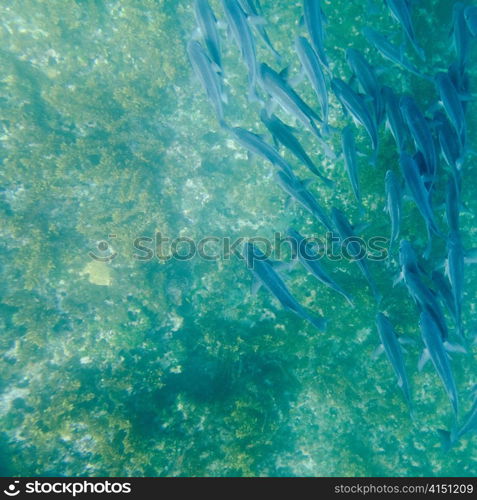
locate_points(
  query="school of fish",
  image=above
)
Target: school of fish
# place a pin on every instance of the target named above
(432, 145)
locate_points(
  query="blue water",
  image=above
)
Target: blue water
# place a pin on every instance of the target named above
(118, 362)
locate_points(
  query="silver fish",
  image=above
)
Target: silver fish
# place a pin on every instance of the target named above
(393, 350)
(253, 10)
(470, 15)
(281, 91)
(296, 189)
(210, 80)
(419, 193)
(237, 20)
(256, 145)
(345, 230)
(310, 261)
(367, 79)
(460, 33)
(207, 22)
(355, 105)
(420, 133)
(394, 119)
(452, 104)
(393, 204)
(391, 52)
(313, 17)
(312, 67)
(265, 274)
(283, 134)
(400, 10)
(436, 352)
(351, 162)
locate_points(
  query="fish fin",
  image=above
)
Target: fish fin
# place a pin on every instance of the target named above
(298, 79)
(285, 73)
(256, 285)
(289, 202)
(257, 20)
(398, 279)
(318, 322)
(454, 348)
(216, 68)
(404, 340)
(470, 256)
(361, 227)
(282, 267)
(270, 107)
(446, 439)
(425, 357)
(377, 352)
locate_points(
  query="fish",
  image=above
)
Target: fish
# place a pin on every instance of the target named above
(391, 52)
(310, 261)
(346, 233)
(469, 426)
(442, 284)
(436, 352)
(470, 14)
(312, 68)
(351, 162)
(420, 133)
(455, 271)
(367, 79)
(453, 206)
(470, 422)
(296, 189)
(460, 33)
(355, 104)
(470, 256)
(283, 134)
(452, 104)
(314, 22)
(265, 273)
(422, 295)
(207, 23)
(449, 144)
(393, 350)
(240, 29)
(393, 204)
(256, 145)
(394, 119)
(202, 66)
(461, 80)
(253, 10)
(420, 195)
(401, 11)
(281, 91)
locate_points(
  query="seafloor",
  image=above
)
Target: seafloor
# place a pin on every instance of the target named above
(171, 368)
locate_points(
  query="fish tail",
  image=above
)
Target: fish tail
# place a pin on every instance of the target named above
(328, 182)
(446, 439)
(318, 322)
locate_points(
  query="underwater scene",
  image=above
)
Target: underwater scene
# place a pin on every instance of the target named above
(238, 238)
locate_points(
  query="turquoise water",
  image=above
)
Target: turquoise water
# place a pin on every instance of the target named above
(173, 368)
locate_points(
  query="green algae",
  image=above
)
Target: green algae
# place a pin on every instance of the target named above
(174, 368)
